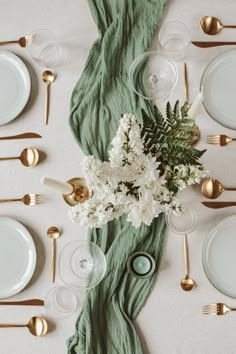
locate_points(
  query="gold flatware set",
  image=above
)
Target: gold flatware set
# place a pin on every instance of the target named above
(211, 26)
(186, 283)
(211, 188)
(53, 233)
(37, 326)
(22, 41)
(219, 140)
(216, 309)
(48, 77)
(28, 199)
(30, 302)
(29, 157)
(21, 136)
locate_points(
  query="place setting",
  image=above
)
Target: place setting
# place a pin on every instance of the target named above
(125, 189)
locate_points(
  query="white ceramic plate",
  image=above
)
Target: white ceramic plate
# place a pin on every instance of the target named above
(218, 85)
(17, 257)
(219, 256)
(15, 86)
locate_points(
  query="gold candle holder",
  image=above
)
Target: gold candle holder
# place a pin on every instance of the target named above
(80, 192)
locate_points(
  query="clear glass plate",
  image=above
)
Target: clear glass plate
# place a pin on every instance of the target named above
(218, 86)
(153, 76)
(219, 256)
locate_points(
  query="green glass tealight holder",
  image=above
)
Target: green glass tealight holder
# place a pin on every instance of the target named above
(141, 265)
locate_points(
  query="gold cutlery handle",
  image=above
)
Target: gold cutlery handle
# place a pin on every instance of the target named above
(47, 103)
(211, 44)
(8, 42)
(9, 200)
(186, 92)
(186, 257)
(8, 158)
(229, 26)
(7, 325)
(218, 205)
(21, 136)
(53, 259)
(30, 302)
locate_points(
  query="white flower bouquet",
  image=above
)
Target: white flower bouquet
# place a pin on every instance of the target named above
(138, 180)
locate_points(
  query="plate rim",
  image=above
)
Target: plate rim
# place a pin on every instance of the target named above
(33, 249)
(222, 54)
(204, 246)
(26, 73)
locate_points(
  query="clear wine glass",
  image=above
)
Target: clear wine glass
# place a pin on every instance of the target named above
(82, 264)
(153, 76)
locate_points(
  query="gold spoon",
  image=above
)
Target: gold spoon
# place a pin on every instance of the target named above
(22, 41)
(211, 25)
(186, 283)
(212, 188)
(48, 77)
(37, 326)
(29, 157)
(53, 232)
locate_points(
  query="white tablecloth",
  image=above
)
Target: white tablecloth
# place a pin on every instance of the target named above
(171, 321)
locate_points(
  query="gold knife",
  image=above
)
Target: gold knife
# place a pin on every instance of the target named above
(211, 44)
(218, 205)
(32, 302)
(21, 136)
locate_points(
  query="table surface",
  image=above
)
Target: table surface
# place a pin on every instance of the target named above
(171, 321)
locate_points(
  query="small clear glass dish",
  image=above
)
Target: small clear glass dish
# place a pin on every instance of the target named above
(184, 222)
(44, 48)
(61, 302)
(153, 76)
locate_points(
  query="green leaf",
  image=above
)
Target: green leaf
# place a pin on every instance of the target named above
(168, 137)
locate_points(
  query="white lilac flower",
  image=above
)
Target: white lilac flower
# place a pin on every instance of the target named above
(130, 182)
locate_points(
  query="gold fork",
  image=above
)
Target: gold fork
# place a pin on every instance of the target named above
(219, 140)
(217, 309)
(28, 199)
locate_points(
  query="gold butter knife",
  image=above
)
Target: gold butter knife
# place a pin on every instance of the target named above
(21, 136)
(32, 302)
(211, 44)
(218, 205)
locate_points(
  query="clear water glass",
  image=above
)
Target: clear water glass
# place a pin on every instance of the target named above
(174, 38)
(183, 222)
(61, 302)
(44, 48)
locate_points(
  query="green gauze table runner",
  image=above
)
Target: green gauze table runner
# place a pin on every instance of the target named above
(101, 96)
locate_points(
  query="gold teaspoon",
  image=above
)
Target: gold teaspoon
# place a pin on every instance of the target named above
(53, 232)
(186, 283)
(22, 41)
(211, 25)
(48, 77)
(29, 157)
(37, 326)
(212, 188)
